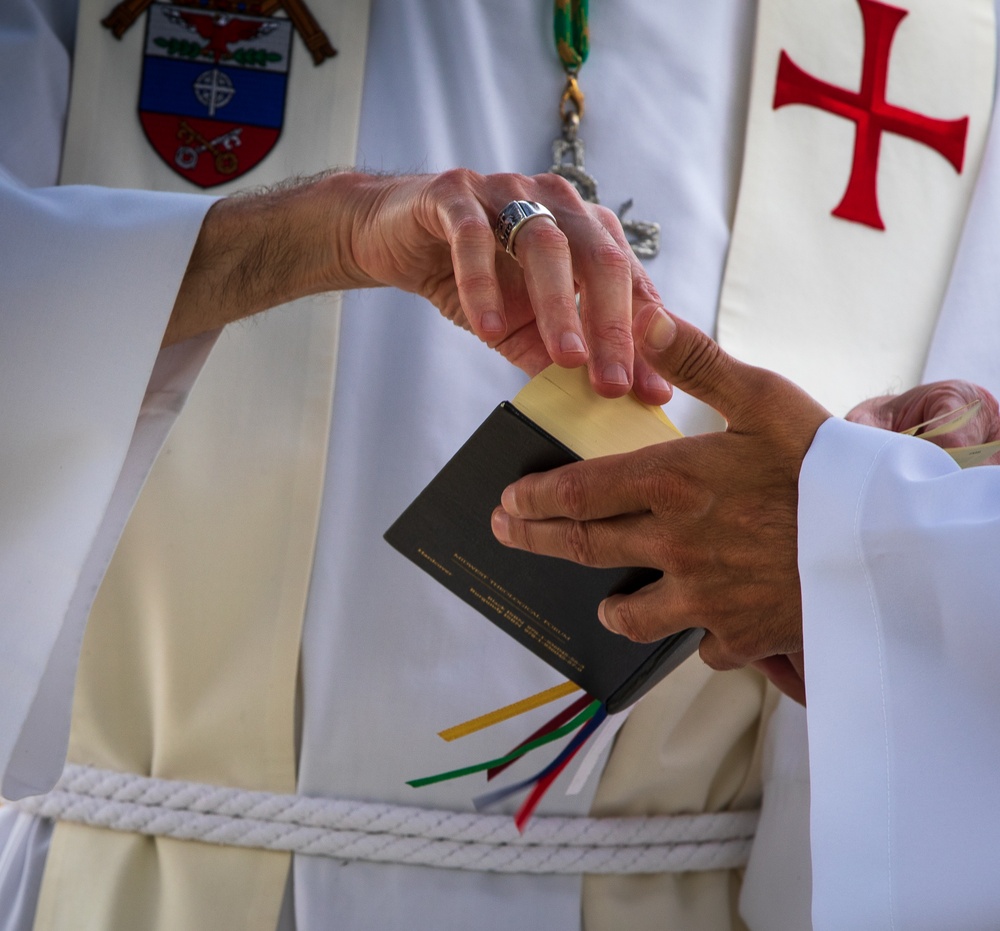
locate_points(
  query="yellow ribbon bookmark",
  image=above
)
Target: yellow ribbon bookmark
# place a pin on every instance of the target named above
(509, 711)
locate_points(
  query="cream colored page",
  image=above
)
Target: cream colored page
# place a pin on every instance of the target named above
(562, 403)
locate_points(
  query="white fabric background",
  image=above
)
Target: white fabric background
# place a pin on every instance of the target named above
(687, 65)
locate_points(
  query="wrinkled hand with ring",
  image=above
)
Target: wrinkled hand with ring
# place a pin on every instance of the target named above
(437, 236)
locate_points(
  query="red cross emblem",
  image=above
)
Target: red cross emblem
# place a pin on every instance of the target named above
(871, 113)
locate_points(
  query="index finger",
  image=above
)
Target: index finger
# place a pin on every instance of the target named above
(588, 490)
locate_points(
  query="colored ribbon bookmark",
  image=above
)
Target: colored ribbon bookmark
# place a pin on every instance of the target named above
(558, 721)
(584, 716)
(541, 781)
(509, 711)
(580, 719)
(612, 725)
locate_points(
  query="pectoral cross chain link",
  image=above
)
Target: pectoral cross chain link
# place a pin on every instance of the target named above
(572, 37)
(568, 163)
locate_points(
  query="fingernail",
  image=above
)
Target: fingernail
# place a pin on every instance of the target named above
(602, 615)
(615, 374)
(508, 501)
(659, 331)
(501, 525)
(492, 322)
(656, 382)
(571, 342)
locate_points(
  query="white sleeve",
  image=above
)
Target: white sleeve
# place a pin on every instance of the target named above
(88, 278)
(899, 554)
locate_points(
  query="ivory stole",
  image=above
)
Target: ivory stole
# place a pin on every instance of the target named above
(866, 130)
(199, 618)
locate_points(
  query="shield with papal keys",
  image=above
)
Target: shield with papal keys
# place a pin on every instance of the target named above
(212, 100)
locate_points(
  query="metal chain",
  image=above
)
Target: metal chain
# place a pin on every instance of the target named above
(571, 27)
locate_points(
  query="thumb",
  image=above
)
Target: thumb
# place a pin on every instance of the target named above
(695, 363)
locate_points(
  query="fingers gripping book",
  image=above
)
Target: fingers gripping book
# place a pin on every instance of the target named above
(549, 605)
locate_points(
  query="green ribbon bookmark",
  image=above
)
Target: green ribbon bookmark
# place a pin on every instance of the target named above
(573, 725)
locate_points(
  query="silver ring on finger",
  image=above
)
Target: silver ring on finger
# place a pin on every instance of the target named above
(510, 220)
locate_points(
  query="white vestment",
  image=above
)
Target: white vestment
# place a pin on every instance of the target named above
(900, 596)
(665, 93)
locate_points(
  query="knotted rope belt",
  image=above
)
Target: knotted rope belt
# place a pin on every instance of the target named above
(351, 830)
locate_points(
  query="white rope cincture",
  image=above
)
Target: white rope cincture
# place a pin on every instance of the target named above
(350, 830)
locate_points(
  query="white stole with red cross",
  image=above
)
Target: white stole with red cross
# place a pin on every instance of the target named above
(866, 130)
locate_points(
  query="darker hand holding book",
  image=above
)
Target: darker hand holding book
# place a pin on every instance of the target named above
(548, 605)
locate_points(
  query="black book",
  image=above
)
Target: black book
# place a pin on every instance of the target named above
(549, 605)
